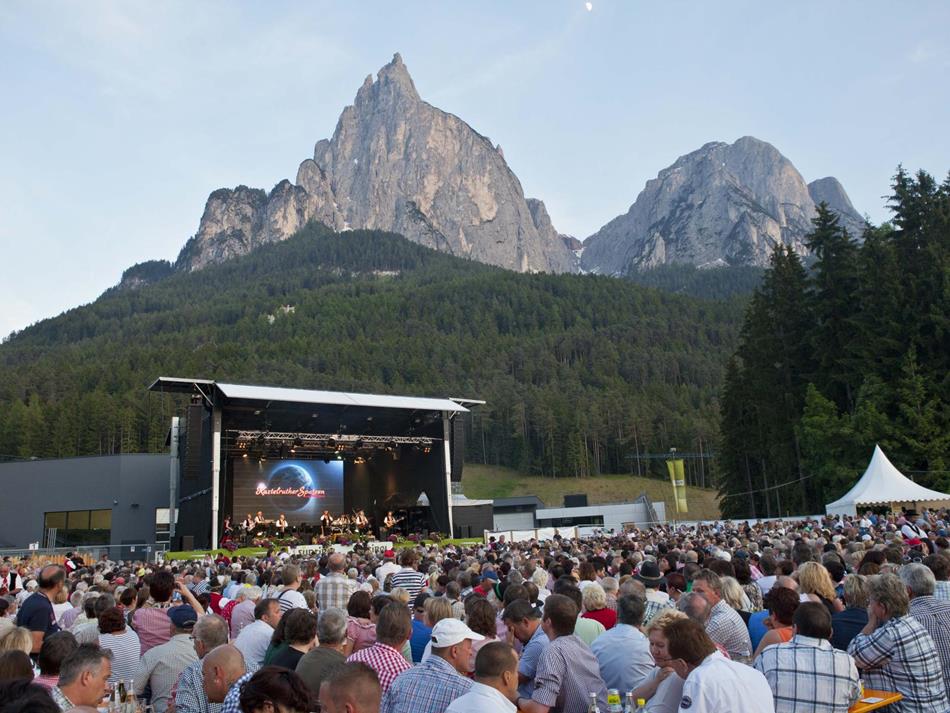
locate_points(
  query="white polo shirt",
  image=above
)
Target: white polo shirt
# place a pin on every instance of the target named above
(479, 699)
(719, 685)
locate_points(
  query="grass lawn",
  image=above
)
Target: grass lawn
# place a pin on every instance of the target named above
(489, 482)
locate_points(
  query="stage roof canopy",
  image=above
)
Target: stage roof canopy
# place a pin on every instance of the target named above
(246, 392)
(883, 484)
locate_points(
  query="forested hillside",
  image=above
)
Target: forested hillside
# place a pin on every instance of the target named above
(580, 372)
(851, 352)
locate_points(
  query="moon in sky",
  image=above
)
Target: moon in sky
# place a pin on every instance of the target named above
(589, 6)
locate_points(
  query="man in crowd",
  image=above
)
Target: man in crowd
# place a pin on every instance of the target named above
(713, 683)
(496, 682)
(586, 629)
(254, 639)
(290, 596)
(335, 589)
(10, 582)
(83, 677)
(806, 674)
(210, 632)
(939, 564)
(161, 665)
(931, 612)
(567, 670)
(243, 612)
(623, 652)
(725, 626)
(88, 633)
(894, 651)
(432, 685)
(36, 613)
(317, 664)
(388, 566)
(199, 582)
(524, 622)
(656, 601)
(421, 631)
(223, 672)
(393, 628)
(351, 688)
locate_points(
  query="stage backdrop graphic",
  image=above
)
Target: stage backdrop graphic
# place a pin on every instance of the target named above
(299, 489)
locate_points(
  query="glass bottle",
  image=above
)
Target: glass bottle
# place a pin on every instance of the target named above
(613, 701)
(593, 707)
(629, 706)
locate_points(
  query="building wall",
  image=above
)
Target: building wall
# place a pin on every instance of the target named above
(33, 488)
(613, 515)
(514, 521)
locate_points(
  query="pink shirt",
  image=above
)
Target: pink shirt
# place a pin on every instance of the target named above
(152, 625)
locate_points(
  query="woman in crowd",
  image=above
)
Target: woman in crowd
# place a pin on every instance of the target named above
(782, 603)
(276, 690)
(119, 638)
(439, 608)
(56, 648)
(300, 633)
(751, 589)
(735, 597)
(360, 630)
(814, 581)
(15, 665)
(17, 639)
(675, 585)
(662, 689)
(595, 606)
(480, 617)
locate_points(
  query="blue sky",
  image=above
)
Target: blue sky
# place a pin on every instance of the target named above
(118, 119)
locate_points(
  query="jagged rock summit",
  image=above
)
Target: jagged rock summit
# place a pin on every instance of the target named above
(724, 204)
(394, 163)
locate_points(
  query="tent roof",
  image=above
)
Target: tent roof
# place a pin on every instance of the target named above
(882, 483)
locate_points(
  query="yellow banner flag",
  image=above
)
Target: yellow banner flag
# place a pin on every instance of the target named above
(678, 479)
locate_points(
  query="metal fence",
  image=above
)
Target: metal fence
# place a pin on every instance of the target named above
(141, 551)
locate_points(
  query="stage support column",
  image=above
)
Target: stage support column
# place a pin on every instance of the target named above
(173, 479)
(215, 472)
(446, 442)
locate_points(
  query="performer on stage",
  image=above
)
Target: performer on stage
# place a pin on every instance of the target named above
(259, 518)
(228, 530)
(326, 521)
(281, 524)
(248, 523)
(360, 521)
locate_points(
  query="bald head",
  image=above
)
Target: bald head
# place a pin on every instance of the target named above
(786, 581)
(220, 668)
(336, 562)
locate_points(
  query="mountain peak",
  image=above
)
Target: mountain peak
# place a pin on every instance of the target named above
(392, 82)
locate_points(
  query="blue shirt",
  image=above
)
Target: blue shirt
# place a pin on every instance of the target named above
(421, 635)
(757, 627)
(623, 654)
(36, 614)
(427, 688)
(528, 663)
(847, 624)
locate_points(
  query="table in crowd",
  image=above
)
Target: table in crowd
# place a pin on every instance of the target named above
(831, 615)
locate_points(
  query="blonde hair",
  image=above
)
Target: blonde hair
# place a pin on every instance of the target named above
(594, 597)
(17, 638)
(540, 577)
(813, 578)
(437, 609)
(665, 618)
(398, 594)
(733, 594)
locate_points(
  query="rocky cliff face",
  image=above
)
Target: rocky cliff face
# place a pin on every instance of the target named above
(394, 163)
(830, 190)
(725, 204)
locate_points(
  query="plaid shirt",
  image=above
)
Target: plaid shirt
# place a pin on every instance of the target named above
(900, 656)
(384, 660)
(654, 607)
(190, 694)
(726, 627)
(64, 703)
(941, 591)
(808, 675)
(232, 701)
(427, 688)
(567, 674)
(934, 615)
(335, 590)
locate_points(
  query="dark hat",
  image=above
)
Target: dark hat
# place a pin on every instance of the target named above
(649, 574)
(183, 616)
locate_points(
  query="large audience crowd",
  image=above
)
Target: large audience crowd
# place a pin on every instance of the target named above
(776, 616)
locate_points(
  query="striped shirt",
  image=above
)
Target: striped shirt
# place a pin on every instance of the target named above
(125, 648)
(291, 599)
(900, 656)
(808, 675)
(427, 688)
(410, 580)
(161, 666)
(384, 660)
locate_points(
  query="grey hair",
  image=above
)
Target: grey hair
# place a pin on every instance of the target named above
(888, 591)
(918, 579)
(211, 630)
(695, 606)
(88, 657)
(331, 626)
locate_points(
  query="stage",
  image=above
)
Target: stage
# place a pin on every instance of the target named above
(267, 451)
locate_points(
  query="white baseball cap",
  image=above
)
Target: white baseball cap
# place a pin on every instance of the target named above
(450, 632)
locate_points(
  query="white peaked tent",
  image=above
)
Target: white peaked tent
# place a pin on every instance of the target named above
(883, 484)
